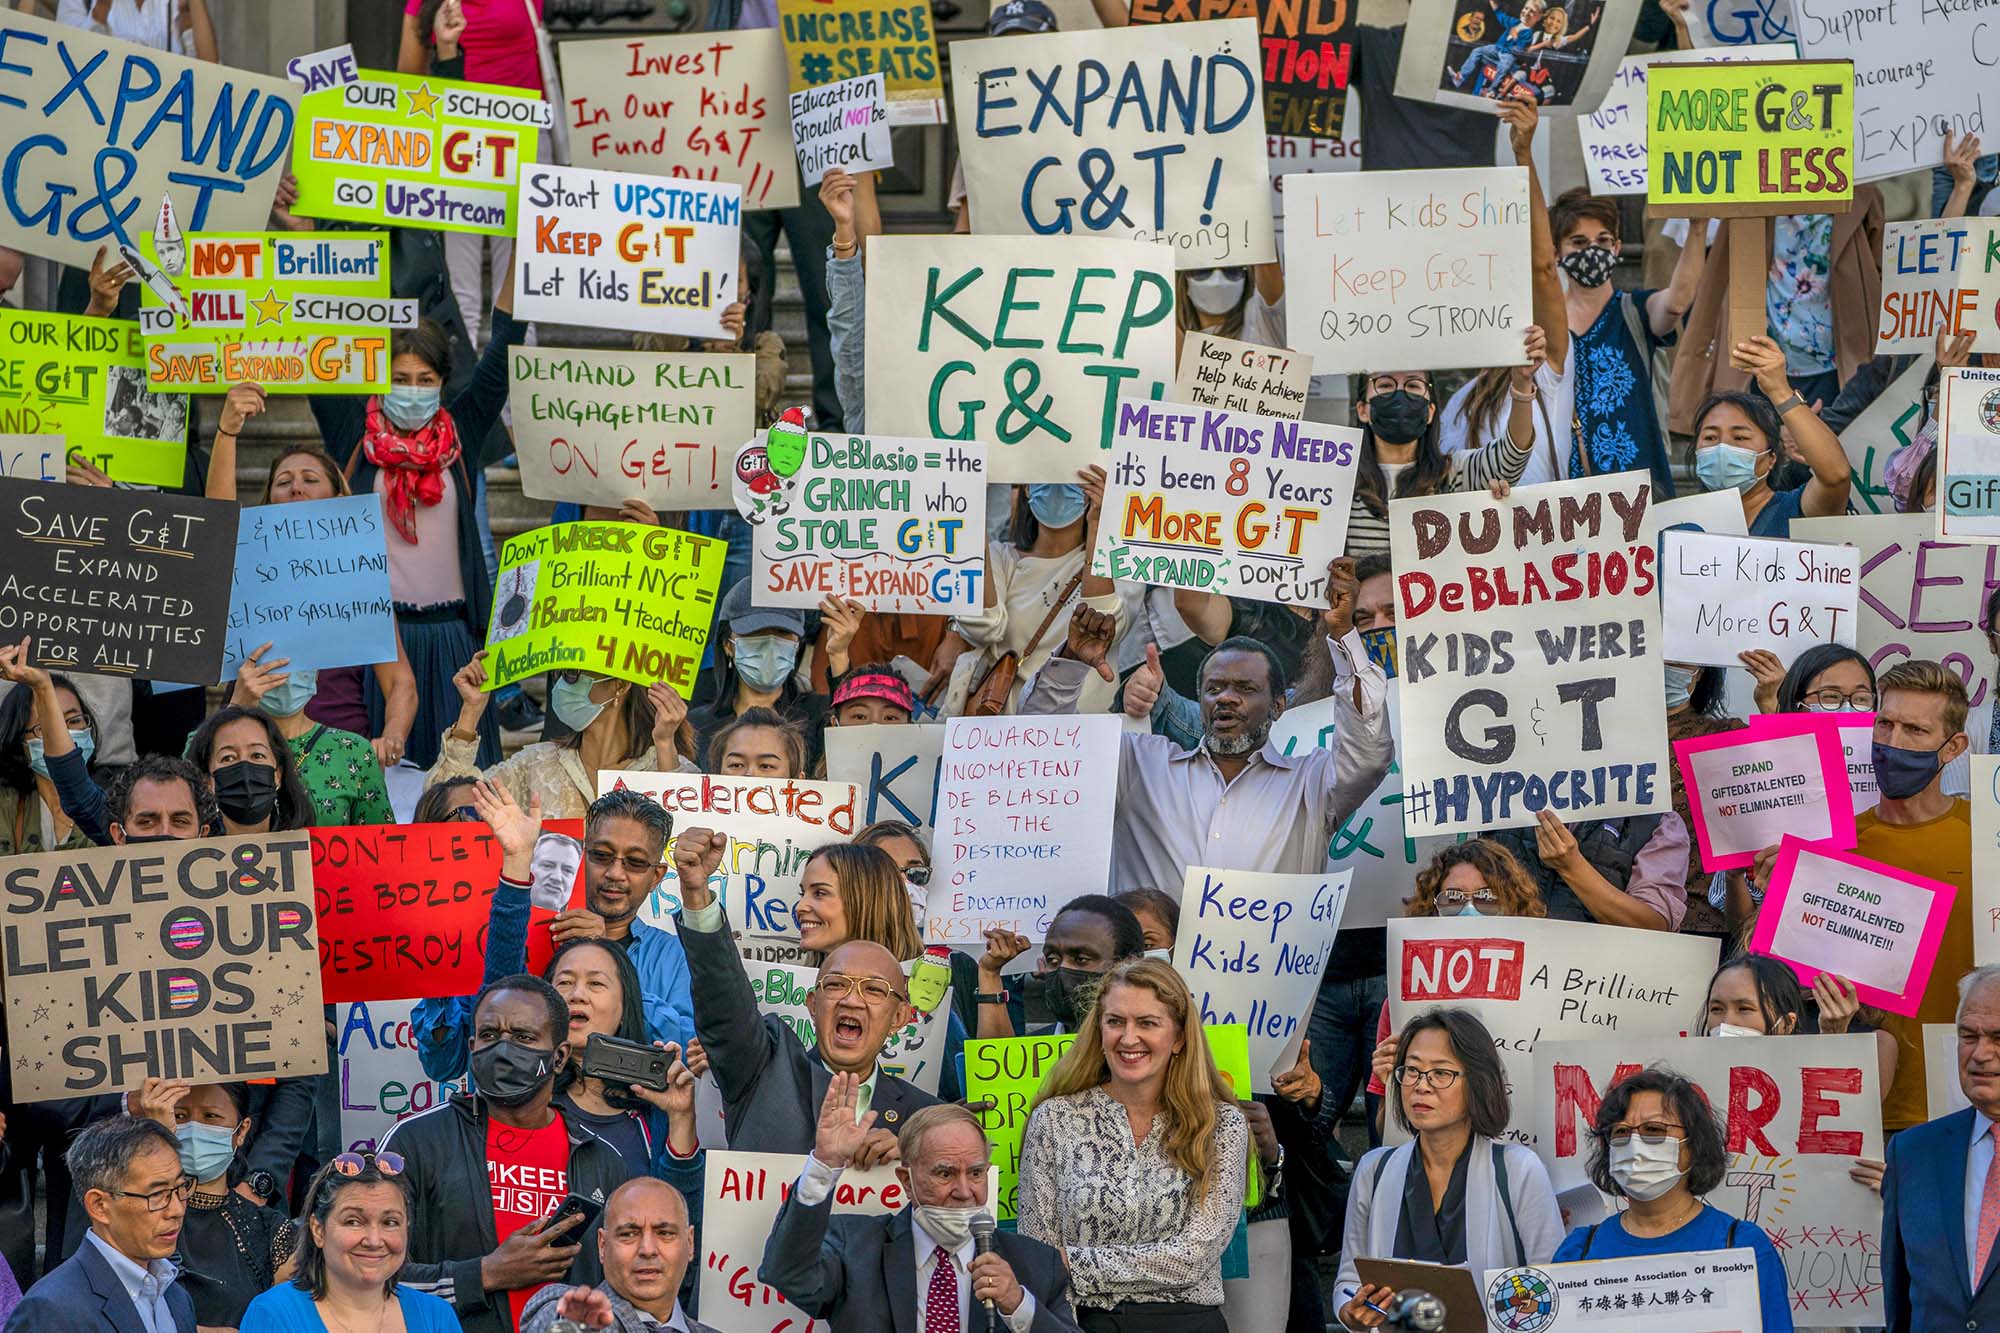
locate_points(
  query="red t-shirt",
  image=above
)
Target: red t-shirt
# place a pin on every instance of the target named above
(528, 1170)
(499, 42)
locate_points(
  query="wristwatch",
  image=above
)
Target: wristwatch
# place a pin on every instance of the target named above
(1796, 400)
(265, 1184)
(990, 997)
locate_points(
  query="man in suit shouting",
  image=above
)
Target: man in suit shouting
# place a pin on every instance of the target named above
(917, 1271)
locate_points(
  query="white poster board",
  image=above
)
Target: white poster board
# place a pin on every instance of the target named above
(1614, 135)
(1631, 1293)
(1916, 73)
(895, 767)
(1242, 377)
(1968, 466)
(1928, 270)
(1720, 595)
(842, 126)
(32, 457)
(382, 1080)
(1984, 795)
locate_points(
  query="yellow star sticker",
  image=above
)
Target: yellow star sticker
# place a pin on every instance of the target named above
(423, 102)
(270, 310)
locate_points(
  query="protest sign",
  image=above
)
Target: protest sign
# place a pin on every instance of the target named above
(312, 580)
(191, 960)
(1748, 789)
(403, 908)
(1695, 1291)
(1749, 138)
(706, 106)
(1242, 377)
(601, 426)
(413, 150)
(1797, 1112)
(1928, 267)
(1253, 947)
(1875, 925)
(610, 250)
(87, 157)
(1942, 1090)
(896, 767)
(382, 1080)
(895, 524)
(1720, 595)
(1420, 270)
(1474, 54)
(1984, 794)
(1614, 135)
(1713, 23)
(1531, 980)
(1917, 73)
(1874, 437)
(1852, 732)
(1983, 263)
(1308, 56)
(1968, 445)
(1023, 342)
(85, 380)
(1148, 133)
(1026, 802)
(1531, 617)
(1225, 502)
(116, 582)
(842, 126)
(290, 312)
(617, 599)
(323, 69)
(32, 457)
(1719, 512)
(826, 43)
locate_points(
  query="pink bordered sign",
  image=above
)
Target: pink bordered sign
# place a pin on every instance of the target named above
(1748, 789)
(1856, 732)
(1833, 911)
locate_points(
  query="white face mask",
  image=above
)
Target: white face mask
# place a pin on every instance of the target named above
(1164, 955)
(950, 1227)
(1731, 1030)
(1216, 294)
(1645, 1171)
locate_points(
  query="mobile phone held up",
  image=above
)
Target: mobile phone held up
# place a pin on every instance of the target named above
(615, 1060)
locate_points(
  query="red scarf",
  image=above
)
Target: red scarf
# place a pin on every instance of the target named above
(413, 464)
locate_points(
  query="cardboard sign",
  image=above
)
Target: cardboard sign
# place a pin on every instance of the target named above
(413, 150)
(85, 380)
(312, 580)
(190, 960)
(614, 598)
(1528, 631)
(1422, 270)
(1226, 502)
(611, 250)
(706, 106)
(104, 129)
(1308, 56)
(826, 43)
(1614, 135)
(1027, 803)
(1873, 924)
(1968, 466)
(1148, 133)
(1916, 74)
(403, 907)
(601, 427)
(1719, 512)
(1720, 595)
(116, 582)
(1696, 1292)
(1748, 789)
(1928, 267)
(1984, 794)
(1531, 980)
(1475, 54)
(1023, 342)
(32, 457)
(1874, 437)
(293, 312)
(1750, 138)
(1797, 1110)
(382, 1079)
(895, 524)
(1242, 377)
(895, 765)
(842, 126)
(1253, 948)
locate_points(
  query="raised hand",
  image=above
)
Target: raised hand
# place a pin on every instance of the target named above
(1768, 671)
(243, 402)
(108, 276)
(1142, 687)
(838, 1136)
(697, 855)
(1341, 589)
(16, 669)
(255, 677)
(1301, 1083)
(669, 711)
(513, 828)
(1090, 635)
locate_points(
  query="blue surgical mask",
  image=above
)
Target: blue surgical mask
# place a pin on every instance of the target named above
(1056, 505)
(409, 406)
(764, 660)
(292, 696)
(570, 701)
(1724, 467)
(206, 1150)
(84, 741)
(1680, 683)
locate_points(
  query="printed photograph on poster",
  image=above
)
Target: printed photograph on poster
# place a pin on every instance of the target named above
(1968, 464)
(1242, 377)
(1559, 54)
(1721, 594)
(1748, 789)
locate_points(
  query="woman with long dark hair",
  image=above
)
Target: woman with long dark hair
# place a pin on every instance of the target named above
(42, 708)
(1736, 447)
(252, 768)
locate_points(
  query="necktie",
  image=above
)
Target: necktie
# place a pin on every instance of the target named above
(941, 1302)
(1989, 1217)
(865, 1094)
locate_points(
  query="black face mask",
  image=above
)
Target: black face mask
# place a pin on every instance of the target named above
(1399, 417)
(510, 1074)
(246, 790)
(1063, 996)
(134, 839)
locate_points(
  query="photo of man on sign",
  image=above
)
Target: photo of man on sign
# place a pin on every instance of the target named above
(1538, 53)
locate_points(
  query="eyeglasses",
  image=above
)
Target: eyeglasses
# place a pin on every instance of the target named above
(157, 1200)
(919, 875)
(1831, 699)
(1650, 1133)
(354, 1163)
(872, 990)
(463, 814)
(1440, 1079)
(602, 858)
(1415, 384)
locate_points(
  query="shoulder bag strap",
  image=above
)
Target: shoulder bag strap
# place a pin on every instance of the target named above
(1069, 591)
(1507, 1201)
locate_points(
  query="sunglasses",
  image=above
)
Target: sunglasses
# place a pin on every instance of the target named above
(354, 1163)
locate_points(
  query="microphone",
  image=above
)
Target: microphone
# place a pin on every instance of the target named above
(981, 1227)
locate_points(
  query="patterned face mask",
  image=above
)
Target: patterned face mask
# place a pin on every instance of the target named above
(1590, 266)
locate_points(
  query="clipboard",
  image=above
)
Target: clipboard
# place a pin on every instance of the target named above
(1465, 1306)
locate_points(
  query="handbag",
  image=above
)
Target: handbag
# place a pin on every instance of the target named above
(545, 53)
(990, 697)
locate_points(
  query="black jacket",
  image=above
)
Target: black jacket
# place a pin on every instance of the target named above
(451, 1226)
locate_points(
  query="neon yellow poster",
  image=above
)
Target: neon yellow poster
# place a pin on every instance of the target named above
(85, 380)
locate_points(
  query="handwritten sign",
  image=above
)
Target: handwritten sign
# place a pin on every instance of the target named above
(842, 126)
(1876, 925)
(618, 599)
(1984, 279)
(617, 251)
(1024, 816)
(1984, 794)
(1529, 639)
(1023, 342)
(413, 150)
(1968, 466)
(895, 765)
(1426, 270)
(706, 106)
(600, 427)
(32, 457)
(1226, 502)
(116, 582)
(192, 960)
(1762, 137)
(827, 43)
(85, 380)
(382, 1079)
(1151, 133)
(1308, 57)
(895, 524)
(1721, 594)
(312, 579)
(323, 69)
(1927, 271)
(1917, 73)
(1242, 377)
(1614, 135)
(1713, 23)
(1748, 789)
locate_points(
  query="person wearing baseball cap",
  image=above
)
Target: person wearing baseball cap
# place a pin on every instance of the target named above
(872, 694)
(755, 667)
(1020, 16)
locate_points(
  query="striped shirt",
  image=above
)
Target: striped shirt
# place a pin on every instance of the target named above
(1471, 470)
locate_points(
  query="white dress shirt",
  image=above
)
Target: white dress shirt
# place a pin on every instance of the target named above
(146, 1286)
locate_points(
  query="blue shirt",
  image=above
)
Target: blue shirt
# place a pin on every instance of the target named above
(1775, 518)
(1978, 1161)
(1616, 418)
(287, 1309)
(146, 1286)
(1707, 1230)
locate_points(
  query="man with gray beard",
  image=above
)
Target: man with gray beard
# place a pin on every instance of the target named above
(1235, 802)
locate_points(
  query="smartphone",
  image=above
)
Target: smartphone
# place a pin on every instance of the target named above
(616, 1060)
(573, 1206)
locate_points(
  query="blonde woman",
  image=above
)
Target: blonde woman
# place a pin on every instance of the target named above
(1134, 1160)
